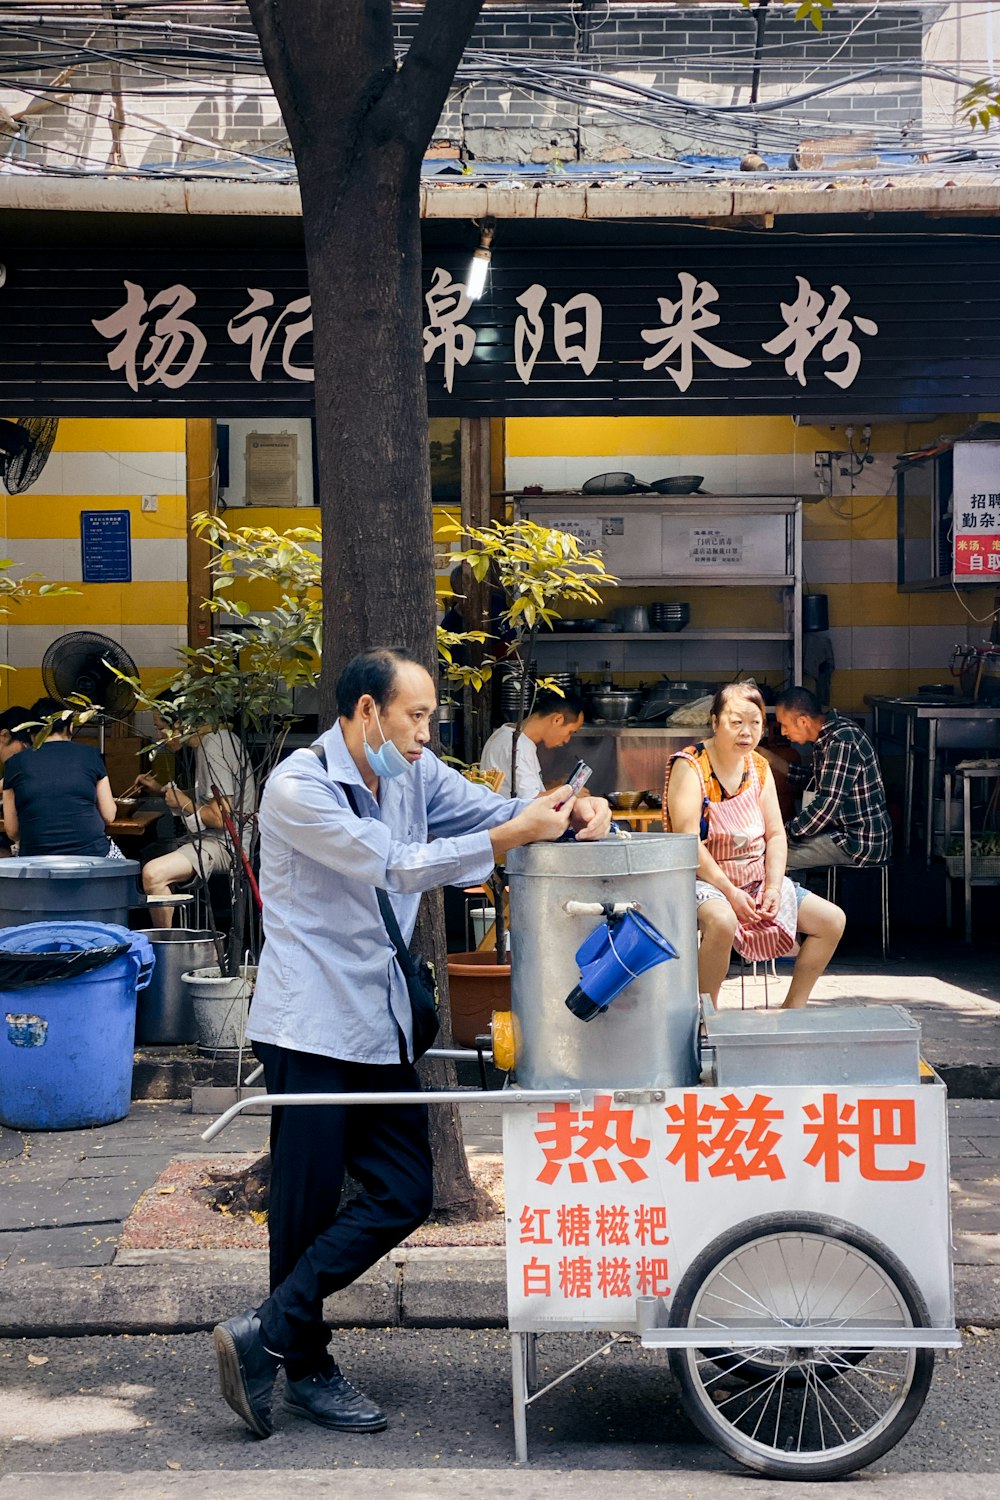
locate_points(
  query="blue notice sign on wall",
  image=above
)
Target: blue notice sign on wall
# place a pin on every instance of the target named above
(106, 544)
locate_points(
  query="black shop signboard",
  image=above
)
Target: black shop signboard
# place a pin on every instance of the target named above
(731, 324)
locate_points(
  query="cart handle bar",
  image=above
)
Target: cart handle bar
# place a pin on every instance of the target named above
(460, 1054)
(415, 1096)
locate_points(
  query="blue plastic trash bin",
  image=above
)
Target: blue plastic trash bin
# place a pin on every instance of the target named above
(66, 1047)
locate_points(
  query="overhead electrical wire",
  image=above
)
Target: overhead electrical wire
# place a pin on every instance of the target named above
(65, 54)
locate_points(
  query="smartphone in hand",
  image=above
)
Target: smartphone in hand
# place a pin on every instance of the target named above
(579, 778)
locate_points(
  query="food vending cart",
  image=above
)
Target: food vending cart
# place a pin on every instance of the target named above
(762, 1198)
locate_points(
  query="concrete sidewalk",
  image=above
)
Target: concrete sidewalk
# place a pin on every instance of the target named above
(64, 1197)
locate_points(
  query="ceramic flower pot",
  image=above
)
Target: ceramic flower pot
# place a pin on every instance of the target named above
(478, 986)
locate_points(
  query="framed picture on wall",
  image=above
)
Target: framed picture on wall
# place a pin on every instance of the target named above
(272, 464)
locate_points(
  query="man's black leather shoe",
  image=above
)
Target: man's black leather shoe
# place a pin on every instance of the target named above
(247, 1371)
(332, 1401)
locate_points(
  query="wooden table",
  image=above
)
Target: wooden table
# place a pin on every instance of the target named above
(642, 820)
(127, 828)
(135, 824)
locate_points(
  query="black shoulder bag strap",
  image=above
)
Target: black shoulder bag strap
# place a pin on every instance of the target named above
(420, 982)
(384, 904)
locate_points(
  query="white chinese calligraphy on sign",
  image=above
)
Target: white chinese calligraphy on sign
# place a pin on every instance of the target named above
(810, 325)
(169, 336)
(682, 328)
(447, 304)
(529, 331)
(158, 344)
(250, 327)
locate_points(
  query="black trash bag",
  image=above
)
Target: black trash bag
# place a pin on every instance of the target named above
(21, 971)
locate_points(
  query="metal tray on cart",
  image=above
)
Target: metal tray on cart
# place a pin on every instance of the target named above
(836, 1044)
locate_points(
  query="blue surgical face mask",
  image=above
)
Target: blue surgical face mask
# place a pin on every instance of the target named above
(388, 760)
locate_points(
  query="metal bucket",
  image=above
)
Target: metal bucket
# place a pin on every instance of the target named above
(165, 1013)
(648, 1037)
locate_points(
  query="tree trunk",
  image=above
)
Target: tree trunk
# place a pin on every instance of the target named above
(456, 1196)
(359, 127)
(371, 425)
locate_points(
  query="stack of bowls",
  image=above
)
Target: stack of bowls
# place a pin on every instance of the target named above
(510, 691)
(568, 682)
(670, 616)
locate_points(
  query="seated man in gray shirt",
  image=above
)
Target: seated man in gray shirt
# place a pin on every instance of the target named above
(372, 810)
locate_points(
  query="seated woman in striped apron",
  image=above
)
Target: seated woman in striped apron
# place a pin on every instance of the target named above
(723, 791)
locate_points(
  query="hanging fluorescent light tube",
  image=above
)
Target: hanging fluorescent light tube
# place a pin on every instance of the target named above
(475, 281)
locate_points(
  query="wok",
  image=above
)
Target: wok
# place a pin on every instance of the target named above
(678, 484)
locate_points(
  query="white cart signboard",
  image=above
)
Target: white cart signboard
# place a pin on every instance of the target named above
(612, 1198)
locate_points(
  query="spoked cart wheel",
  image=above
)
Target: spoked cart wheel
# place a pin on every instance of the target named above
(814, 1412)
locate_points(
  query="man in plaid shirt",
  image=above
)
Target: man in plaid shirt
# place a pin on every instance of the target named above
(847, 820)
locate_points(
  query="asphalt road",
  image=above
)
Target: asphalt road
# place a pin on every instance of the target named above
(148, 1405)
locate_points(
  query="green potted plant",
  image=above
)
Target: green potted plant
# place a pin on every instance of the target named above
(243, 678)
(539, 570)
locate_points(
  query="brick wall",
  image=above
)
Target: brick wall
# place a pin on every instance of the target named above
(697, 52)
(703, 53)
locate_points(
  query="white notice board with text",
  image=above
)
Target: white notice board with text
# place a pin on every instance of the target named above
(609, 1200)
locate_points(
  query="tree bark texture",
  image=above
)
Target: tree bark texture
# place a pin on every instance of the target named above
(359, 126)
(476, 475)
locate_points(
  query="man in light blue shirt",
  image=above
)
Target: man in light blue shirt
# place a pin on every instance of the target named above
(331, 1012)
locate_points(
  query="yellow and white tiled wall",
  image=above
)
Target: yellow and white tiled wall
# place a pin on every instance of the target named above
(100, 465)
(883, 641)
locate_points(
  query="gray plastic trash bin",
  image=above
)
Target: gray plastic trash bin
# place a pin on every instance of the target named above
(67, 888)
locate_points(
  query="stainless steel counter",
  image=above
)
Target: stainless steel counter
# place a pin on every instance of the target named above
(624, 757)
(924, 728)
(618, 731)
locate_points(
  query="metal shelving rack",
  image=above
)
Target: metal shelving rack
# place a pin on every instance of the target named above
(710, 510)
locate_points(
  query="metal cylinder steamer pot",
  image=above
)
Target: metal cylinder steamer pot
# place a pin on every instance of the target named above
(648, 1038)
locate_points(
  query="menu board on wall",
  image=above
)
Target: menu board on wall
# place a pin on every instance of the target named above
(106, 546)
(976, 512)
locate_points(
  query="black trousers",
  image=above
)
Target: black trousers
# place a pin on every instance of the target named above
(315, 1248)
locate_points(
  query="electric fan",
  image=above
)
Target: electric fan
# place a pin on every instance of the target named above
(81, 662)
(25, 445)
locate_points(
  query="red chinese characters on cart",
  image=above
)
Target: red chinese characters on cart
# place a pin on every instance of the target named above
(592, 1188)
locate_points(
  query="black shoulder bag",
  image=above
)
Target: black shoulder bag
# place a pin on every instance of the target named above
(421, 984)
